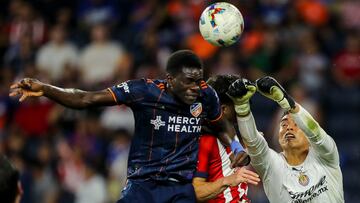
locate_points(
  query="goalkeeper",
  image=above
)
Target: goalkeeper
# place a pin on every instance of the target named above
(307, 169)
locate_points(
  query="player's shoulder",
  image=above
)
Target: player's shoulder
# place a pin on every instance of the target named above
(156, 83)
(144, 83)
(206, 89)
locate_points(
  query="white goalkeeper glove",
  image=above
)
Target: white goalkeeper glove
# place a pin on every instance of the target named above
(240, 92)
(271, 89)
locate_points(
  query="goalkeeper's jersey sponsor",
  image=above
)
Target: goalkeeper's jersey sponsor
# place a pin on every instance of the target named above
(317, 180)
(165, 143)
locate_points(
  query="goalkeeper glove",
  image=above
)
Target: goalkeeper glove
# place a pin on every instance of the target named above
(240, 92)
(271, 89)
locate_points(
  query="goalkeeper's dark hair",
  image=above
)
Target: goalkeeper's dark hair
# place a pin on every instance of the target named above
(221, 84)
(9, 177)
(180, 59)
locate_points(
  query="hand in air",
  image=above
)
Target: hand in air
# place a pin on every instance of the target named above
(27, 87)
(271, 89)
(240, 92)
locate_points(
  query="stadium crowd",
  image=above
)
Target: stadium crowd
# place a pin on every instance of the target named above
(311, 46)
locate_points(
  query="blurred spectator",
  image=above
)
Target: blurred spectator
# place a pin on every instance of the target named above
(93, 188)
(346, 66)
(7, 105)
(44, 188)
(71, 170)
(201, 47)
(273, 11)
(118, 117)
(98, 61)
(92, 12)
(272, 57)
(314, 12)
(312, 65)
(20, 55)
(56, 54)
(117, 163)
(350, 13)
(225, 63)
(26, 21)
(88, 137)
(32, 117)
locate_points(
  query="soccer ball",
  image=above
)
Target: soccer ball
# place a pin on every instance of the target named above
(221, 24)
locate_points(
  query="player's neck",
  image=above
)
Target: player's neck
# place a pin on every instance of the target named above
(295, 157)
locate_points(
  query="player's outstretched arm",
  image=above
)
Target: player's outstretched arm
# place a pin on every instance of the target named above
(73, 98)
(321, 141)
(208, 190)
(240, 92)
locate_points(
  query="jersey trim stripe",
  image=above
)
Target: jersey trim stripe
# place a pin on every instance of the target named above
(218, 118)
(113, 95)
(152, 131)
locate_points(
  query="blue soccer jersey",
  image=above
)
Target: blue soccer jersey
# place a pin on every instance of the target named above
(165, 144)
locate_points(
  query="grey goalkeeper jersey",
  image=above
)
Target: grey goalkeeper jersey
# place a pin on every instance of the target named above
(318, 179)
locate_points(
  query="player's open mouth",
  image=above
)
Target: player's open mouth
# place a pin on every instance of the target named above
(289, 136)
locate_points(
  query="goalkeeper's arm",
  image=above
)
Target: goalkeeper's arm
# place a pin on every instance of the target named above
(323, 144)
(240, 92)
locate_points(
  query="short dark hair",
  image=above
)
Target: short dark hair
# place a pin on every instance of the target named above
(9, 177)
(221, 84)
(182, 58)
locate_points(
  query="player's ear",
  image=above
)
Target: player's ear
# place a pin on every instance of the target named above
(223, 107)
(170, 79)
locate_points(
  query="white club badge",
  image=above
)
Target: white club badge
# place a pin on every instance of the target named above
(196, 109)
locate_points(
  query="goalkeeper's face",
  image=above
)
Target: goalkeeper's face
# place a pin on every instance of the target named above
(291, 137)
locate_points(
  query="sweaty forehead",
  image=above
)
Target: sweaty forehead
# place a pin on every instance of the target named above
(194, 73)
(286, 118)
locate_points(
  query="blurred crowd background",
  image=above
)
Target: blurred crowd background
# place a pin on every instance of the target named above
(65, 156)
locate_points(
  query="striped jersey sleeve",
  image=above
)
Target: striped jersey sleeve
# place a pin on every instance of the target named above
(129, 91)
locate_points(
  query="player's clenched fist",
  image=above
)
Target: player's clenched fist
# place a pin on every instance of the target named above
(27, 87)
(271, 89)
(240, 92)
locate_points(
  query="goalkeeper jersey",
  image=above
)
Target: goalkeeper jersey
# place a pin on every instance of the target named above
(318, 179)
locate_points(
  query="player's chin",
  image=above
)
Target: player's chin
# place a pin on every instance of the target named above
(189, 99)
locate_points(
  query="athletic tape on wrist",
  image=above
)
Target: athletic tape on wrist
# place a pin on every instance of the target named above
(236, 147)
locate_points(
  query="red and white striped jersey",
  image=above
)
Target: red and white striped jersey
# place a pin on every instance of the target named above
(214, 163)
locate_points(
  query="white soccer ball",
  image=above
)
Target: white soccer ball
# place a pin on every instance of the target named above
(221, 24)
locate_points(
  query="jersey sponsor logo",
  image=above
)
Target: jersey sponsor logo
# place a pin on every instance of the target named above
(125, 86)
(311, 193)
(196, 109)
(157, 122)
(178, 124)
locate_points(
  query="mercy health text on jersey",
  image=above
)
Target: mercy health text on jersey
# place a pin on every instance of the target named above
(178, 124)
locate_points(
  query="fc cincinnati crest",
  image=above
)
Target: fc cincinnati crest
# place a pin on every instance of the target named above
(303, 179)
(196, 109)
